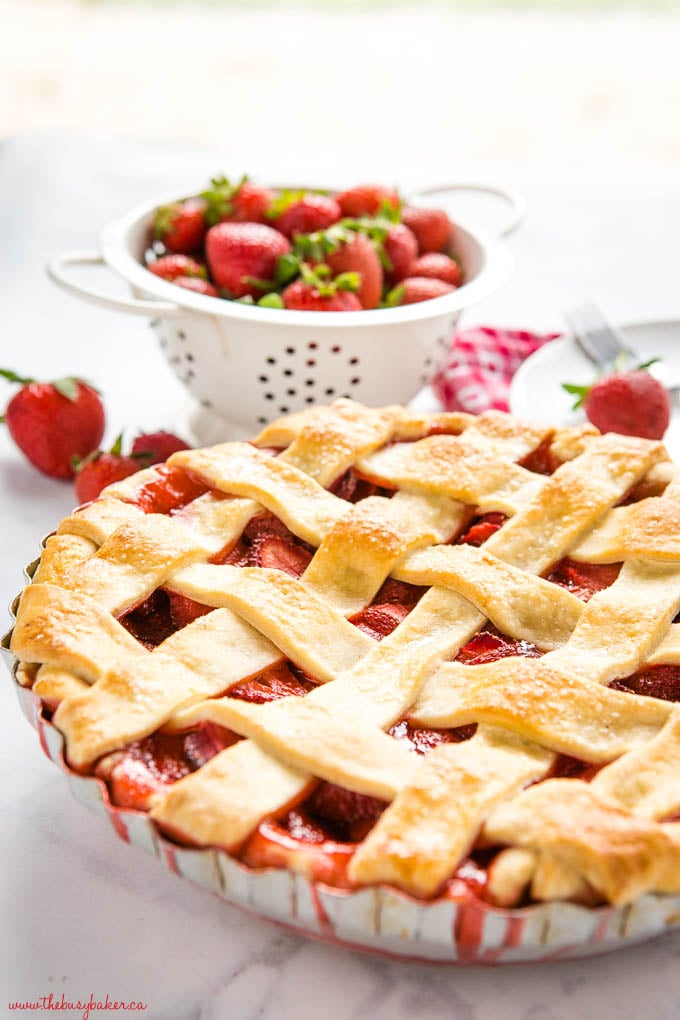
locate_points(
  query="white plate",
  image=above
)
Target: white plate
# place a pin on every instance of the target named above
(537, 395)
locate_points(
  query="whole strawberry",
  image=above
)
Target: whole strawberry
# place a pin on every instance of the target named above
(317, 292)
(53, 422)
(172, 267)
(155, 447)
(239, 202)
(432, 227)
(359, 255)
(417, 288)
(306, 214)
(401, 249)
(631, 403)
(304, 297)
(243, 256)
(197, 285)
(181, 225)
(103, 468)
(438, 267)
(367, 200)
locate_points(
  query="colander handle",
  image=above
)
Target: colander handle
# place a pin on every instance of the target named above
(57, 270)
(518, 206)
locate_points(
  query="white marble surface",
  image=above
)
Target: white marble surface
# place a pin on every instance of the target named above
(81, 911)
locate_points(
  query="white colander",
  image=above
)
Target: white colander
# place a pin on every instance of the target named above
(245, 366)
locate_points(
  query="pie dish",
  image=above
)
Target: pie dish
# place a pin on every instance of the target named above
(423, 664)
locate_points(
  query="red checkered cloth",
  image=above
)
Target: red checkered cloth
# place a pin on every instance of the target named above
(480, 367)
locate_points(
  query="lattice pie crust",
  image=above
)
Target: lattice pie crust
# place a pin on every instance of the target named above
(609, 839)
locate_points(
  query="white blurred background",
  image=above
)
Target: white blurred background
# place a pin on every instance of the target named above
(571, 83)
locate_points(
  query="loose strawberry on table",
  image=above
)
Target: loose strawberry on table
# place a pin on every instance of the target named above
(155, 447)
(631, 403)
(103, 467)
(53, 422)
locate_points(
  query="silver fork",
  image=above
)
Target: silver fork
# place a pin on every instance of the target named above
(602, 343)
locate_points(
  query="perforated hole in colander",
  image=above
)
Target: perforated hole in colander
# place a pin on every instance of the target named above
(302, 375)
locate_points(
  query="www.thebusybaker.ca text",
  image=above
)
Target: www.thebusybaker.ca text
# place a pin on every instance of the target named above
(83, 1006)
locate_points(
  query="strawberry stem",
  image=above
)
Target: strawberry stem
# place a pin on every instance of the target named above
(284, 201)
(394, 297)
(271, 301)
(580, 392)
(264, 285)
(12, 377)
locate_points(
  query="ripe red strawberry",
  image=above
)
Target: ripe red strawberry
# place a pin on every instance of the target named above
(251, 203)
(170, 267)
(53, 422)
(401, 249)
(181, 226)
(103, 468)
(239, 254)
(305, 297)
(432, 227)
(196, 284)
(242, 202)
(631, 403)
(155, 447)
(418, 288)
(307, 214)
(360, 256)
(367, 200)
(438, 267)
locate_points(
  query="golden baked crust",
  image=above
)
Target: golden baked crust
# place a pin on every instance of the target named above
(563, 838)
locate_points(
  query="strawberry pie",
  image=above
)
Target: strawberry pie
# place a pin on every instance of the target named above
(436, 653)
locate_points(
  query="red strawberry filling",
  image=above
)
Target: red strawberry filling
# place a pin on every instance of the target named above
(653, 682)
(279, 681)
(584, 579)
(169, 490)
(490, 645)
(147, 767)
(482, 528)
